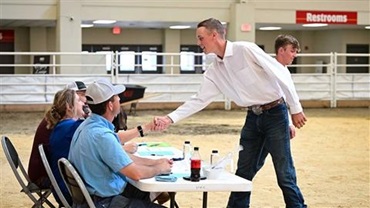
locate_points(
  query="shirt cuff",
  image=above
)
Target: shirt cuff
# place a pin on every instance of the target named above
(296, 108)
(173, 117)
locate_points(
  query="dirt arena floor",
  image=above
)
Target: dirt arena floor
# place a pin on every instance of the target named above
(331, 154)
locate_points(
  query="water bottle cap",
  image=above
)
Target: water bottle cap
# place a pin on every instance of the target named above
(187, 142)
(196, 148)
(214, 151)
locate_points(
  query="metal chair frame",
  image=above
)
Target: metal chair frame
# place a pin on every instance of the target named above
(53, 181)
(75, 184)
(29, 188)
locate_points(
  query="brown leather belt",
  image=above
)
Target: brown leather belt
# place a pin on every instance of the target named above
(258, 109)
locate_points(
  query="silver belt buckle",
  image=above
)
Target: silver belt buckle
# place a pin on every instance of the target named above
(257, 109)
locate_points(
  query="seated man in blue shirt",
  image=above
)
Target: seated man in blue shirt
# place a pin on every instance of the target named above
(97, 154)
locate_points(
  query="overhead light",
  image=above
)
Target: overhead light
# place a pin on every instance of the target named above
(104, 22)
(179, 27)
(269, 28)
(367, 27)
(87, 25)
(315, 25)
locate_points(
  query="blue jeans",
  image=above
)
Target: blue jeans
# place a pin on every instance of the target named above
(263, 134)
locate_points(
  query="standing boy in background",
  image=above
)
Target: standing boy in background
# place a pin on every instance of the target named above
(286, 50)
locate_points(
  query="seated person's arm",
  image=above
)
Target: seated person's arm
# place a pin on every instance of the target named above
(127, 135)
(150, 168)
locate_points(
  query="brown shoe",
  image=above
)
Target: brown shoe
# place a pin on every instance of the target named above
(162, 198)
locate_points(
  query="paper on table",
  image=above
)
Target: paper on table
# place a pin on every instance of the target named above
(221, 164)
(156, 153)
(157, 144)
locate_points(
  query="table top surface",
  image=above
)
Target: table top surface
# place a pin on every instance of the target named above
(225, 182)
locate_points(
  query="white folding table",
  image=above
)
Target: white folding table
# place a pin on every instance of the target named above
(225, 182)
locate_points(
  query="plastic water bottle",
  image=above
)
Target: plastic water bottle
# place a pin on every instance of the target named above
(214, 157)
(186, 151)
(195, 165)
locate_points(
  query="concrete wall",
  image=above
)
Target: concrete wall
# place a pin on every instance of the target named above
(22, 44)
(127, 36)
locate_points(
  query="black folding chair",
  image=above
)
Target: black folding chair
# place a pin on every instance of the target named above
(37, 195)
(74, 183)
(44, 156)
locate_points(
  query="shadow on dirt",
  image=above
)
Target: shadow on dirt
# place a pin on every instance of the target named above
(203, 129)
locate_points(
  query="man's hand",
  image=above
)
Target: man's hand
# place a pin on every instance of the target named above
(162, 122)
(299, 119)
(164, 160)
(164, 165)
(130, 147)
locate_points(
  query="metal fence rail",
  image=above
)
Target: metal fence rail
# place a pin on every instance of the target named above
(324, 77)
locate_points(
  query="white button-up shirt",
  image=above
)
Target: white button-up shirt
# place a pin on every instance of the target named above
(246, 75)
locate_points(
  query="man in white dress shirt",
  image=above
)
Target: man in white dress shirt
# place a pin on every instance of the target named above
(253, 79)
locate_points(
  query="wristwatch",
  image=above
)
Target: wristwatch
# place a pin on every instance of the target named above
(140, 129)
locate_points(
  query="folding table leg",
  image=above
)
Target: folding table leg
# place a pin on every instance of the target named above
(205, 199)
(173, 202)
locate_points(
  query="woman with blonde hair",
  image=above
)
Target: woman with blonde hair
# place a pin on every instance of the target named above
(63, 118)
(36, 169)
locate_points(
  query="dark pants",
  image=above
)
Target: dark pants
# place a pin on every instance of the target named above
(66, 195)
(267, 133)
(130, 198)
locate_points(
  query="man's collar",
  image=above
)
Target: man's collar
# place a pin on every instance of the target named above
(228, 50)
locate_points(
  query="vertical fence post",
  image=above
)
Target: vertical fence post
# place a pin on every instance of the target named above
(112, 66)
(333, 76)
(54, 62)
(227, 103)
(172, 64)
(115, 62)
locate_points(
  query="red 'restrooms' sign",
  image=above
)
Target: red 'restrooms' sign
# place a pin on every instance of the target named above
(329, 17)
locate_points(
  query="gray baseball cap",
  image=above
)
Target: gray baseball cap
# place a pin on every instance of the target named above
(76, 86)
(101, 90)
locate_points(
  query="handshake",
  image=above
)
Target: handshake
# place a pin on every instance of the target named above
(159, 123)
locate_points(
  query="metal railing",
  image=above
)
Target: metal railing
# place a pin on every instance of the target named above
(319, 77)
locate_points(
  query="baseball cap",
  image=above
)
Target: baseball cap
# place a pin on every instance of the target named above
(101, 90)
(76, 85)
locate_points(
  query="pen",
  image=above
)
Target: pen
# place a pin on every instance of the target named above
(153, 154)
(154, 145)
(177, 158)
(165, 174)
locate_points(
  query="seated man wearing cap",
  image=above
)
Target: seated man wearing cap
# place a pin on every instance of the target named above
(97, 154)
(80, 89)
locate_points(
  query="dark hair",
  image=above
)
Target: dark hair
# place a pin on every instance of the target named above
(120, 121)
(100, 108)
(284, 40)
(62, 99)
(213, 24)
